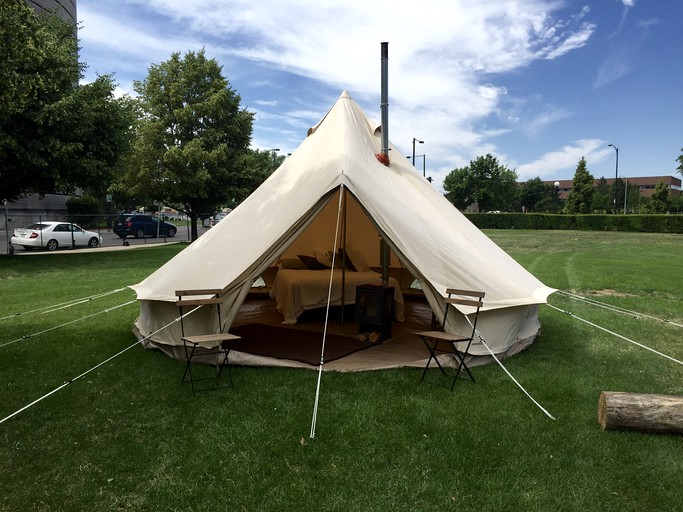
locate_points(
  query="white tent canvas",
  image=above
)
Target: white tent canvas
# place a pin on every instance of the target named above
(295, 211)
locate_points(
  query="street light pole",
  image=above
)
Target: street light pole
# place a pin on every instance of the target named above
(625, 192)
(419, 142)
(9, 240)
(424, 163)
(616, 176)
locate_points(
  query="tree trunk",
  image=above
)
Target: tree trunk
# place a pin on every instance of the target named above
(641, 412)
(193, 227)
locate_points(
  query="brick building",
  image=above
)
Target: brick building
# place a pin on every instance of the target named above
(646, 184)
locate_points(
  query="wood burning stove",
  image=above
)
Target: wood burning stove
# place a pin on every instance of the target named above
(375, 309)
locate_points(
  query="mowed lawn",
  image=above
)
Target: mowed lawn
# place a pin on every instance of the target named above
(127, 436)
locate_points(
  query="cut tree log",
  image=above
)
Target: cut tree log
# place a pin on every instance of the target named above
(662, 414)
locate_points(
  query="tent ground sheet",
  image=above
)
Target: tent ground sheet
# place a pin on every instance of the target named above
(403, 349)
(301, 345)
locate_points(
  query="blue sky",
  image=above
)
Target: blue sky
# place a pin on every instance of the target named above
(537, 83)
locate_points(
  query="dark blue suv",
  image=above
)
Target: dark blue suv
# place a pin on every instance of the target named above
(141, 226)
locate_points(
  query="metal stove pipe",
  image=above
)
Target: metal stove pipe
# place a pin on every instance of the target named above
(384, 101)
(384, 108)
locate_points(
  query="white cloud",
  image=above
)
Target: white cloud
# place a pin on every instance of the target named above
(614, 67)
(445, 56)
(565, 158)
(267, 103)
(572, 42)
(544, 119)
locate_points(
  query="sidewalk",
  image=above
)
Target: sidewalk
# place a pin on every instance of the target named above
(107, 248)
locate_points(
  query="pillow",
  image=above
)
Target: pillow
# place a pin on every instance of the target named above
(339, 263)
(324, 258)
(311, 263)
(292, 263)
(357, 259)
(344, 263)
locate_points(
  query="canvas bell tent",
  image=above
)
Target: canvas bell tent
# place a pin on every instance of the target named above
(334, 192)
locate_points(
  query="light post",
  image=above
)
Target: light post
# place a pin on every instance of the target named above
(9, 240)
(616, 175)
(419, 142)
(557, 195)
(424, 164)
(625, 192)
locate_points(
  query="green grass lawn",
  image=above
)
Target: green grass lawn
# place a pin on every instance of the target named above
(128, 436)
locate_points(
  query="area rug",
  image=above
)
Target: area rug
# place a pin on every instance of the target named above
(294, 344)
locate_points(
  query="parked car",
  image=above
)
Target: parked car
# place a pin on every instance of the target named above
(211, 221)
(51, 235)
(141, 225)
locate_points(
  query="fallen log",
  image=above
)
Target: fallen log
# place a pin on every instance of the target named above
(662, 414)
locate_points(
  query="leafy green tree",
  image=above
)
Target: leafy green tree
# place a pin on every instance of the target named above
(192, 137)
(680, 163)
(601, 196)
(676, 204)
(54, 134)
(536, 196)
(580, 197)
(99, 134)
(658, 202)
(83, 210)
(627, 195)
(485, 182)
(254, 168)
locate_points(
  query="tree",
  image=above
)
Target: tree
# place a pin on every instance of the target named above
(579, 199)
(99, 132)
(680, 163)
(676, 204)
(602, 195)
(192, 137)
(485, 182)
(255, 166)
(658, 202)
(537, 196)
(54, 134)
(627, 196)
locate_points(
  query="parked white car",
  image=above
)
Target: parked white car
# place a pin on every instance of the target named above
(211, 221)
(51, 235)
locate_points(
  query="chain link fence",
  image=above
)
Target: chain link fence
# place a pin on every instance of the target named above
(114, 229)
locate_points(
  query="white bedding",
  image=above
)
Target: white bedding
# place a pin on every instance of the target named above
(296, 291)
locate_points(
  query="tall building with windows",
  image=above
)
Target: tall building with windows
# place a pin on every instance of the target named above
(30, 209)
(66, 9)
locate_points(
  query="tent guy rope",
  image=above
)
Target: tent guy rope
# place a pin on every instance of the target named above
(314, 420)
(614, 308)
(77, 377)
(481, 338)
(86, 317)
(616, 334)
(62, 305)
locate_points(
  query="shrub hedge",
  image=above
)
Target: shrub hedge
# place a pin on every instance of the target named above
(637, 223)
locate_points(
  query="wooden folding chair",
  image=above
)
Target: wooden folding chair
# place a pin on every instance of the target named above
(459, 344)
(213, 344)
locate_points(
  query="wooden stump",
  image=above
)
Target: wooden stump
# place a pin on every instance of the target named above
(661, 414)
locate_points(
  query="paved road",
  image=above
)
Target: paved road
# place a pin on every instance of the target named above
(110, 240)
